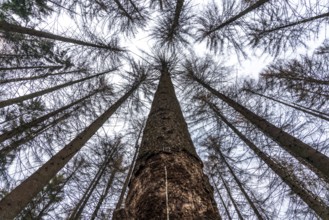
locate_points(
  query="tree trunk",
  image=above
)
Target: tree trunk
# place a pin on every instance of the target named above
(302, 109)
(30, 67)
(175, 22)
(230, 195)
(315, 203)
(16, 200)
(17, 130)
(43, 92)
(304, 153)
(168, 181)
(240, 185)
(104, 194)
(29, 31)
(36, 77)
(221, 199)
(238, 16)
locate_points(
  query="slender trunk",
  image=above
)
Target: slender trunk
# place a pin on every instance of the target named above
(230, 195)
(16, 200)
(291, 24)
(75, 215)
(175, 23)
(304, 153)
(29, 31)
(17, 130)
(290, 105)
(315, 203)
(43, 92)
(238, 16)
(295, 78)
(131, 168)
(168, 181)
(104, 194)
(221, 199)
(31, 67)
(36, 77)
(240, 185)
(50, 202)
(14, 145)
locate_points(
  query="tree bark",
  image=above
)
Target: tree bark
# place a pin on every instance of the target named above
(288, 177)
(43, 92)
(304, 153)
(168, 181)
(16, 200)
(29, 31)
(17, 130)
(104, 194)
(30, 67)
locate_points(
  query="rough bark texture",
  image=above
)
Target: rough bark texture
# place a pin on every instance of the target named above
(168, 181)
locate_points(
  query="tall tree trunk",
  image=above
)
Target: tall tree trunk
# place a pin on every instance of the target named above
(304, 153)
(302, 109)
(43, 92)
(236, 17)
(221, 199)
(104, 194)
(175, 22)
(14, 145)
(288, 177)
(76, 213)
(29, 31)
(31, 67)
(230, 195)
(168, 181)
(16, 200)
(37, 77)
(240, 185)
(17, 130)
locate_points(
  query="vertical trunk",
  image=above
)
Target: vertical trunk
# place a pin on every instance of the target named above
(315, 203)
(240, 185)
(16, 200)
(230, 195)
(29, 31)
(304, 153)
(104, 194)
(221, 199)
(168, 181)
(75, 215)
(30, 67)
(302, 109)
(43, 92)
(17, 130)
(175, 22)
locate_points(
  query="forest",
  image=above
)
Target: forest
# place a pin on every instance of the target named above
(164, 109)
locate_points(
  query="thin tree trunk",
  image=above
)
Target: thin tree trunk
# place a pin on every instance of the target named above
(43, 92)
(230, 195)
(175, 22)
(168, 181)
(50, 202)
(238, 16)
(17, 130)
(291, 24)
(104, 194)
(14, 146)
(16, 200)
(240, 185)
(221, 199)
(31, 67)
(36, 77)
(75, 215)
(29, 31)
(131, 168)
(315, 203)
(304, 153)
(290, 105)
